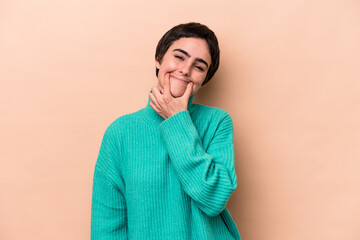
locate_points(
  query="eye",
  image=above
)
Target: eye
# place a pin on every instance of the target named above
(200, 68)
(179, 57)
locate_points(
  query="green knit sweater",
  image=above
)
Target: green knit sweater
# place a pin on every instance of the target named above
(165, 179)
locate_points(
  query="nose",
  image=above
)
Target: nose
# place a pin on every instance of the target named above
(185, 69)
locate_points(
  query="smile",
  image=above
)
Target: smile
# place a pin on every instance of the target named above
(179, 79)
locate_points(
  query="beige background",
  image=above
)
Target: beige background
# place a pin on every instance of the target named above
(289, 76)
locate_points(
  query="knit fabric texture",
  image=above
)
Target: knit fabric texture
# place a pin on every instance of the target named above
(165, 179)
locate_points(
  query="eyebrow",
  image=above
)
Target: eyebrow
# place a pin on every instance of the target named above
(188, 55)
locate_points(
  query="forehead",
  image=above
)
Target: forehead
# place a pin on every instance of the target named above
(195, 47)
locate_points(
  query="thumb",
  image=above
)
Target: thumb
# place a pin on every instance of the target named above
(188, 91)
(167, 83)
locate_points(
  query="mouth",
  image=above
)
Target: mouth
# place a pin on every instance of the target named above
(180, 79)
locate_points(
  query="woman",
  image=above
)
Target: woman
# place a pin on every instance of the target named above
(167, 170)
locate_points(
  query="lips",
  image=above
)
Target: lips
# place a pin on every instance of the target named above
(180, 79)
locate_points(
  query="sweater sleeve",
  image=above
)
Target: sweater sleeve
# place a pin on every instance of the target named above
(208, 177)
(108, 210)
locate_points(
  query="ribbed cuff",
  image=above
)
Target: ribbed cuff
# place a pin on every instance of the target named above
(178, 130)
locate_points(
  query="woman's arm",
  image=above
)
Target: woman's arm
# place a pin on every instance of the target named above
(108, 210)
(208, 177)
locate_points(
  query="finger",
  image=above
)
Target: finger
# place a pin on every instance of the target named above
(156, 92)
(167, 83)
(153, 105)
(188, 91)
(153, 99)
(157, 110)
(161, 90)
(161, 98)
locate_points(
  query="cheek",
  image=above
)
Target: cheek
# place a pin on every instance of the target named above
(198, 80)
(172, 66)
(168, 66)
(197, 85)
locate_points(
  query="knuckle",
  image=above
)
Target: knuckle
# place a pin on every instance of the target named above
(166, 99)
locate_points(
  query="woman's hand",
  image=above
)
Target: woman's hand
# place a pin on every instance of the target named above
(164, 103)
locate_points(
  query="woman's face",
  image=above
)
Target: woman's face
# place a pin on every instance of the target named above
(187, 60)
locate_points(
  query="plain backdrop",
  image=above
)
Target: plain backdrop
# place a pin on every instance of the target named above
(289, 77)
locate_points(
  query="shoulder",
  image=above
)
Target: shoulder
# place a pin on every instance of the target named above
(122, 123)
(209, 113)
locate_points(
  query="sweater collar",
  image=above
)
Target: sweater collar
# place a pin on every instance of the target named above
(154, 117)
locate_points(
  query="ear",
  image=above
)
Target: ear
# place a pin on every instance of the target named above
(157, 64)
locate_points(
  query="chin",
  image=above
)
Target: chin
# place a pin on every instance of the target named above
(177, 92)
(176, 95)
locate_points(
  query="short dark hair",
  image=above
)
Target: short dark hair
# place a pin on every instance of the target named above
(187, 30)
